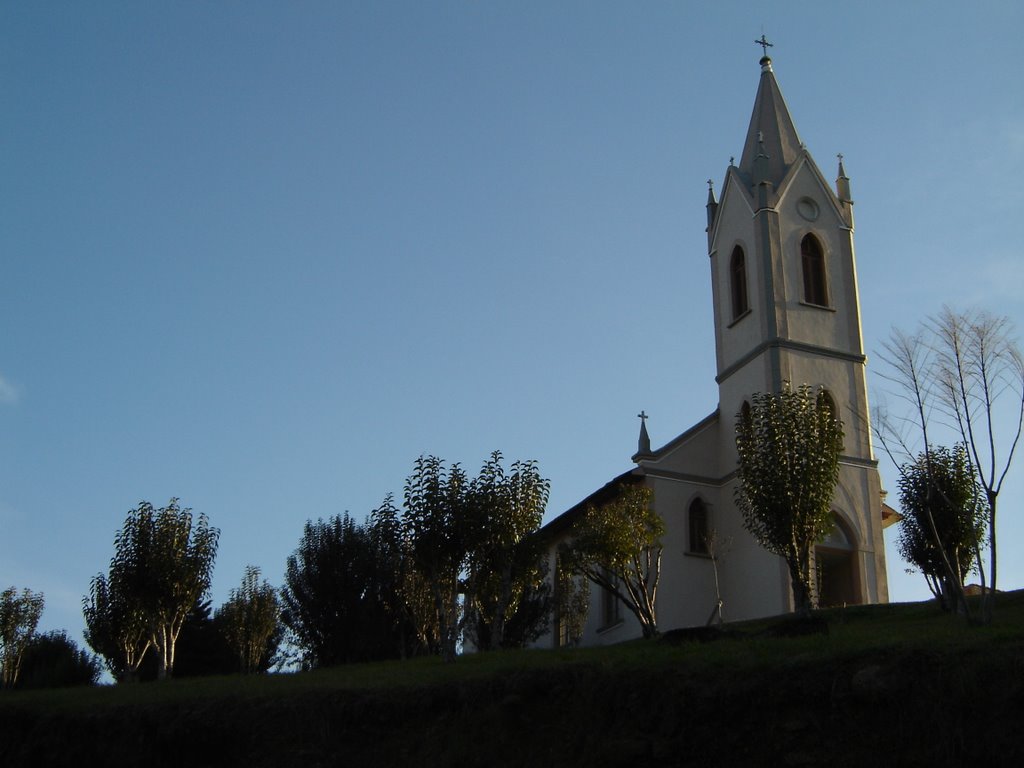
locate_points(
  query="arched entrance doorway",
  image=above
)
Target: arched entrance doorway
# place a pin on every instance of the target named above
(835, 568)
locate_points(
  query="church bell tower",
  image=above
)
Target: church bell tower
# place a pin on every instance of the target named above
(784, 283)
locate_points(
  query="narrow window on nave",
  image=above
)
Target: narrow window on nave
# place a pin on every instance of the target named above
(698, 524)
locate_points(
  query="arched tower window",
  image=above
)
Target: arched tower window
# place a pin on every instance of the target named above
(813, 260)
(738, 282)
(698, 526)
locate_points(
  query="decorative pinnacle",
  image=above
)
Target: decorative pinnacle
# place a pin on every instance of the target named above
(643, 447)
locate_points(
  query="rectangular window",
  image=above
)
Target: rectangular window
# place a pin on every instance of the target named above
(611, 607)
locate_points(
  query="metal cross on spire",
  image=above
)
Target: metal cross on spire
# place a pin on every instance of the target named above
(643, 416)
(765, 45)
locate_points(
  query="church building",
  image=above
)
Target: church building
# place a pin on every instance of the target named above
(786, 309)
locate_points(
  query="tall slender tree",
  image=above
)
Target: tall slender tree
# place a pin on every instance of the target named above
(979, 369)
(116, 627)
(250, 618)
(400, 588)
(788, 444)
(507, 595)
(437, 527)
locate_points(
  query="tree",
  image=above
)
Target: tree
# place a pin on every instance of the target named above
(201, 650)
(116, 627)
(437, 526)
(617, 546)
(329, 600)
(250, 618)
(788, 445)
(401, 589)
(53, 660)
(979, 364)
(19, 617)
(572, 602)
(162, 565)
(944, 515)
(507, 595)
(966, 367)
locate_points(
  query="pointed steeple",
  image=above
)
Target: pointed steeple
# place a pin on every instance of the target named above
(843, 183)
(643, 448)
(712, 205)
(772, 144)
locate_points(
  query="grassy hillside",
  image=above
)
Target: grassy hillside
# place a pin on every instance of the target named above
(890, 685)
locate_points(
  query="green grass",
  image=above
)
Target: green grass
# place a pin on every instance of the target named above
(903, 680)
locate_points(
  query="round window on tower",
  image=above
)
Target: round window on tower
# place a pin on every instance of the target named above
(807, 208)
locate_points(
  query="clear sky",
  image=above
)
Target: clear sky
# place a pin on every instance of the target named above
(260, 256)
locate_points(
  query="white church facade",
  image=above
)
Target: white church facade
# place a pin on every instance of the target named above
(786, 309)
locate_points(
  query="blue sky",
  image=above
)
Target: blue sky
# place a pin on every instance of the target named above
(260, 256)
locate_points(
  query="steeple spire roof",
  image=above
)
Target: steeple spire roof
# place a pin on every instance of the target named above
(643, 448)
(772, 139)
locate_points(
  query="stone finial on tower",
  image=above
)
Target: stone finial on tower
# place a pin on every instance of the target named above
(712, 205)
(843, 183)
(643, 448)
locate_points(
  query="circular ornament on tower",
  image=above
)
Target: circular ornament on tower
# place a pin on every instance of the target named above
(807, 208)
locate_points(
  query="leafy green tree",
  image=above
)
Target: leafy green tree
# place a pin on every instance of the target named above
(162, 565)
(19, 617)
(116, 627)
(507, 599)
(401, 589)
(250, 618)
(53, 660)
(617, 546)
(966, 368)
(329, 600)
(572, 603)
(788, 444)
(944, 516)
(437, 526)
(203, 648)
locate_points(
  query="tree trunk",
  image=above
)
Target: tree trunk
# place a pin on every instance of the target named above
(498, 627)
(988, 598)
(800, 580)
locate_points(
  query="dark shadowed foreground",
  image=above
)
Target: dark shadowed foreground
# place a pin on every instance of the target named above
(884, 685)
